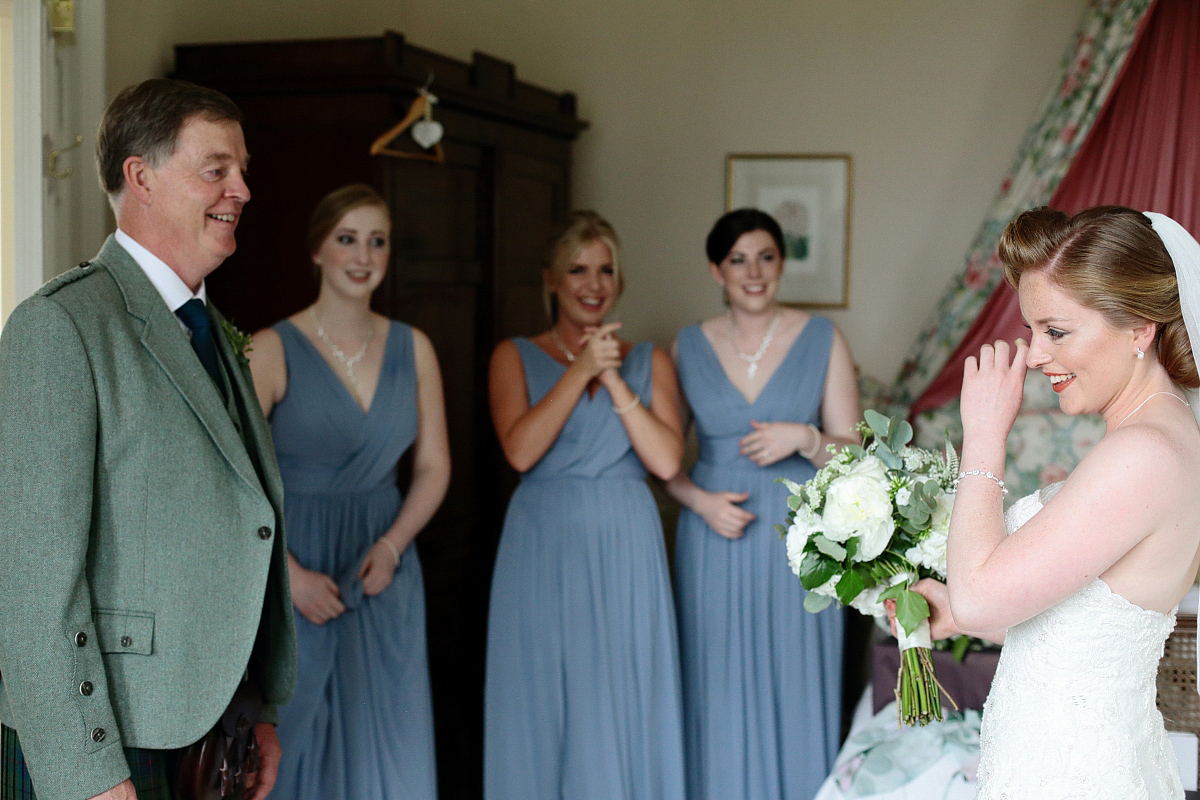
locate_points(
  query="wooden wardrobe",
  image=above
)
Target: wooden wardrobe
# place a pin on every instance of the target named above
(466, 262)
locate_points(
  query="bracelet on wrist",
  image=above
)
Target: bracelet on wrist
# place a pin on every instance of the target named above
(392, 547)
(811, 452)
(630, 406)
(982, 474)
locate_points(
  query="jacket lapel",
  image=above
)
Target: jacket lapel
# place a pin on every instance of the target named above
(169, 346)
(258, 432)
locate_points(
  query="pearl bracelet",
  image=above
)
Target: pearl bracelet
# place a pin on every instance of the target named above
(625, 409)
(391, 547)
(816, 448)
(989, 475)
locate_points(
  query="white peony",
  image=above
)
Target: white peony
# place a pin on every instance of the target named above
(858, 504)
(803, 526)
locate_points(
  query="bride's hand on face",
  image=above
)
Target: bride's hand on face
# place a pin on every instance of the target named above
(941, 621)
(992, 389)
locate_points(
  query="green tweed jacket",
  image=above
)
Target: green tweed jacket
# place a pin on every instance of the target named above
(143, 568)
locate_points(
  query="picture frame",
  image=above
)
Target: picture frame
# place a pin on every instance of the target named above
(809, 195)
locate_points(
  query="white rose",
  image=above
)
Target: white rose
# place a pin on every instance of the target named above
(805, 524)
(858, 504)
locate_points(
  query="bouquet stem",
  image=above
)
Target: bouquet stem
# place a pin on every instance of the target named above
(918, 692)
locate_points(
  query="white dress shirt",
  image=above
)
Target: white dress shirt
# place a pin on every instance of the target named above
(170, 286)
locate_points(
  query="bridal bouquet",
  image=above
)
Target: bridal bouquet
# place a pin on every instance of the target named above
(870, 523)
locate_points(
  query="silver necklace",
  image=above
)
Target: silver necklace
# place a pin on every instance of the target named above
(562, 347)
(348, 362)
(1147, 400)
(752, 359)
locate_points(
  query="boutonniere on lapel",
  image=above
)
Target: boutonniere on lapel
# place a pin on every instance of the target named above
(239, 341)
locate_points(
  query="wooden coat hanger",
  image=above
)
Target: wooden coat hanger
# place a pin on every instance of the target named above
(421, 108)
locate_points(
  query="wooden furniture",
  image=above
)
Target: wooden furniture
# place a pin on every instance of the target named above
(466, 269)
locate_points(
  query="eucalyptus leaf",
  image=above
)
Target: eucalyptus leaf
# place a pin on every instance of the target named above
(850, 586)
(816, 602)
(782, 531)
(878, 422)
(901, 434)
(831, 549)
(816, 570)
(855, 450)
(794, 502)
(889, 458)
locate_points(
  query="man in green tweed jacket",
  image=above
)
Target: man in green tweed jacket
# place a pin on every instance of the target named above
(142, 560)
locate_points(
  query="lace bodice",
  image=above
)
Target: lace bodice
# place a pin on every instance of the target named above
(1071, 713)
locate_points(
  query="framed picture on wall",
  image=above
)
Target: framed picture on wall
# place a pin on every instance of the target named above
(809, 195)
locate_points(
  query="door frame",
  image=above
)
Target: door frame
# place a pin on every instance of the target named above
(75, 232)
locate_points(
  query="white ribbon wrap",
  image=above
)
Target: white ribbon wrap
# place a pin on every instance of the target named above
(918, 638)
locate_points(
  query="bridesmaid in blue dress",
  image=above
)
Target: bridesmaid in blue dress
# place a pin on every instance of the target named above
(583, 697)
(769, 388)
(348, 392)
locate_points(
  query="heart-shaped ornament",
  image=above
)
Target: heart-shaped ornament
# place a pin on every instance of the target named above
(427, 133)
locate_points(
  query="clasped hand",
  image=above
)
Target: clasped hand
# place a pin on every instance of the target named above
(601, 353)
(991, 392)
(773, 441)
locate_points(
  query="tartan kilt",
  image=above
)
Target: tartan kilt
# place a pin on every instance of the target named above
(149, 768)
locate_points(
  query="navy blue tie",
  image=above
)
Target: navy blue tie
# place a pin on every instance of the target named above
(195, 316)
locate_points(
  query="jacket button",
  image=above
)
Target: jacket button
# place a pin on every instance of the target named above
(126, 641)
(80, 639)
(264, 532)
(86, 688)
(98, 734)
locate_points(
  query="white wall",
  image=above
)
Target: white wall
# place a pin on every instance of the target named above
(8, 287)
(931, 98)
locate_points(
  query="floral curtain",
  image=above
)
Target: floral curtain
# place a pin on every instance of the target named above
(1089, 71)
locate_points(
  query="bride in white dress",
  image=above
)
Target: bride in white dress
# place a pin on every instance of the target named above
(1081, 580)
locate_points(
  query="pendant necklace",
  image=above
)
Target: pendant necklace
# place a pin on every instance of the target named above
(562, 347)
(348, 362)
(1147, 400)
(752, 359)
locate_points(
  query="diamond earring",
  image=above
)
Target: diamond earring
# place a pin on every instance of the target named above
(1140, 353)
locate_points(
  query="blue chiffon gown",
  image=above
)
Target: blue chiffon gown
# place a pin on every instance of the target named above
(583, 697)
(360, 726)
(761, 676)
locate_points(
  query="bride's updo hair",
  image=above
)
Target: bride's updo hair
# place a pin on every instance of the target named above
(1109, 259)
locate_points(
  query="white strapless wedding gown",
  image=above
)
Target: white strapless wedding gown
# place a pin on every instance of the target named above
(1071, 712)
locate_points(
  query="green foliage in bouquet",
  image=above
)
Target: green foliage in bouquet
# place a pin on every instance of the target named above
(868, 525)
